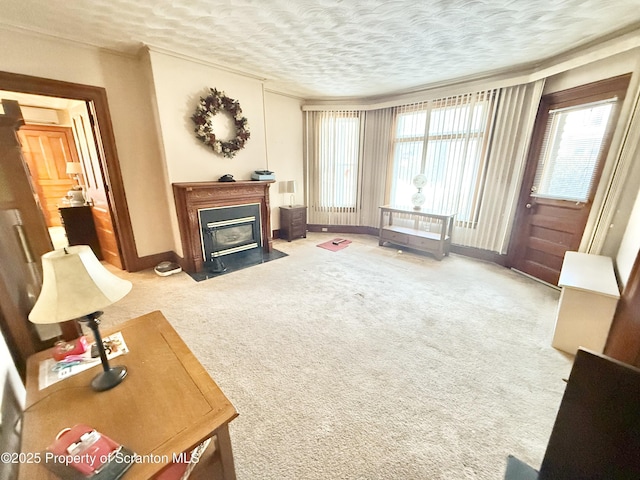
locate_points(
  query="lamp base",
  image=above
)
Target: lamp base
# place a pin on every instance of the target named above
(109, 378)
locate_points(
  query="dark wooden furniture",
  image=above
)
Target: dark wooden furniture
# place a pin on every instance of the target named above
(623, 342)
(293, 222)
(80, 228)
(597, 429)
(426, 231)
(190, 197)
(166, 405)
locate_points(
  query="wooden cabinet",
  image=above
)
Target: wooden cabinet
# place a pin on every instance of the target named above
(293, 222)
(425, 231)
(80, 227)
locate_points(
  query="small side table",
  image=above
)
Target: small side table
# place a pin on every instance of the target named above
(80, 227)
(167, 404)
(293, 222)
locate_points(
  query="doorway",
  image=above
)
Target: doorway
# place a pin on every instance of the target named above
(98, 122)
(61, 155)
(26, 231)
(570, 143)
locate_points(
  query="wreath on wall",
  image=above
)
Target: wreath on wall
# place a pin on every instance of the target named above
(210, 106)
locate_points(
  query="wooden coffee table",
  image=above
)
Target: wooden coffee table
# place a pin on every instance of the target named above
(166, 405)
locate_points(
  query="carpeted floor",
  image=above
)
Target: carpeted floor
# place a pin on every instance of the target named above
(368, 363)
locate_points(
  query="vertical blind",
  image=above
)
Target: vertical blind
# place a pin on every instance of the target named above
(513, 125)
(446, 140)
(376, 161)
(334, 164)
(471, 147)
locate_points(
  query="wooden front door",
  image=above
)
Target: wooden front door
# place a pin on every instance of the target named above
(571, 140)
(47, 149)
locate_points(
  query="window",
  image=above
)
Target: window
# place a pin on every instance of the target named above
(570, 151)
(339, 148)
(446, 141)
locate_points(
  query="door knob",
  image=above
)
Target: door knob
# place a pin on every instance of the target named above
(528, 205)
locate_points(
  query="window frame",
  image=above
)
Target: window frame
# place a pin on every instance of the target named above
(489, 98)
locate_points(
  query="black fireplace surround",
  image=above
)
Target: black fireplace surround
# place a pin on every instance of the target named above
(229, 230)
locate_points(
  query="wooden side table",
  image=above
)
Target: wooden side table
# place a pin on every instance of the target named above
(293, 222)
(416, 232)
(80, 227)
(167, 404)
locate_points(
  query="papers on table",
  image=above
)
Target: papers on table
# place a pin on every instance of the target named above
(52, 372)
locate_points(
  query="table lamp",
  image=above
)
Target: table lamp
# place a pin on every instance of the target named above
(76, 286)
(76, 194)
(290, 187)
(74, 169)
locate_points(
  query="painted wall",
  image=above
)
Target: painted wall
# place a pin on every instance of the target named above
(284, 150)
(178, 84)
(151, 99)
(131, 115)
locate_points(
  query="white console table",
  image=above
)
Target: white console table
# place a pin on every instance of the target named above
(587, 303)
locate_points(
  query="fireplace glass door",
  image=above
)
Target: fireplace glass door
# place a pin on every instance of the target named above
(228, 230)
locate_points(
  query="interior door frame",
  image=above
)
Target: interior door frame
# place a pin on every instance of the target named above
(109, 162)
(584, 94)
(623, 342)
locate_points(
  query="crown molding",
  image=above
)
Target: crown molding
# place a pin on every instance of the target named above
(202, 61)
(33, 32)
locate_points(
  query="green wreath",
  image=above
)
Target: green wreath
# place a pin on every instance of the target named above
(205, 111)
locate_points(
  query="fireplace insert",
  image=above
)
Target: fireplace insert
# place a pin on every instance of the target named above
(228, 230)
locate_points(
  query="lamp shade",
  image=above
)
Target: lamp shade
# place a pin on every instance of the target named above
(290, 186)
(74, 168)
(75, 284)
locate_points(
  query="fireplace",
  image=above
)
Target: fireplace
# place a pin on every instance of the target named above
(227, 230)
(220, 218)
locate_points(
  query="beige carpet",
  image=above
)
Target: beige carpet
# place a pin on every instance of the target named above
(369, 363)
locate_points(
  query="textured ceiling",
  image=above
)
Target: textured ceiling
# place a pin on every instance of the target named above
(335, 48)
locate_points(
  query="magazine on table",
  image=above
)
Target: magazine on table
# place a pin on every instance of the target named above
(52, 371)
